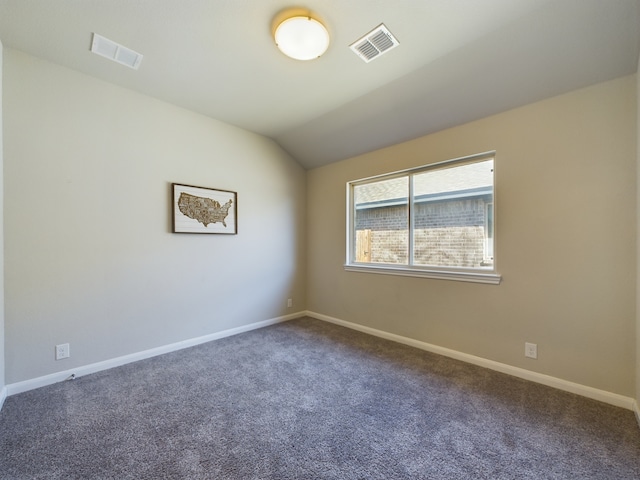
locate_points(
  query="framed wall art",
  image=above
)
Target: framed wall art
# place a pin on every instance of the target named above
(204, 210)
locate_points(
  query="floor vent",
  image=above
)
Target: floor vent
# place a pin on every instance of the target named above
(113, 51)
(375, 43)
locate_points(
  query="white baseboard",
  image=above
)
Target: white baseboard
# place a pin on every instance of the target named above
(19, 387)
(3, 396)
(585, 391)
(589, 392)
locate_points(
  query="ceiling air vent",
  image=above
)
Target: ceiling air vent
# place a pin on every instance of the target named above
(378, 41)
(113, 51)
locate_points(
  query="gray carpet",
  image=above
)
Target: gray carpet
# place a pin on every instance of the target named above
(310, 400)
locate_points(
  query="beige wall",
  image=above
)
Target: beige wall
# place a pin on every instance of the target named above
(565, 219)
(2, 376)
(90, 258)
(637, 363)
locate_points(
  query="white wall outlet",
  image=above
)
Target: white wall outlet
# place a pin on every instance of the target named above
(62, 351)
(531, 350)
(289, 303)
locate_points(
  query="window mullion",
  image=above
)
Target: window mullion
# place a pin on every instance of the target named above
(410, 221)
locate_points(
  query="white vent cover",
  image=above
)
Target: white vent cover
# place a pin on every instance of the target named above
(116, 52)
(378, 41)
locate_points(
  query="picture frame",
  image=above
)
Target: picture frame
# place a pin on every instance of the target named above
(204, 210)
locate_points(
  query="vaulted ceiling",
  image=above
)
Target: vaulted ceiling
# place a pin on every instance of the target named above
(458, 60)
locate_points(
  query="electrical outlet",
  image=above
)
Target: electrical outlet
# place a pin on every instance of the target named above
(62, 351)
(531, 350)
(289, 303)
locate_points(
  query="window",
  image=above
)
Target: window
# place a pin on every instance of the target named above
(434, 221)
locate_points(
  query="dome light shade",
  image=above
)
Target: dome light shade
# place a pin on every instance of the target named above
(302, 38)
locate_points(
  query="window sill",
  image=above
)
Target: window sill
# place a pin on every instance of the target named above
(460, 276)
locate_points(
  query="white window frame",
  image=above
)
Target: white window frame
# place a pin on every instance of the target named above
(489, 241)
(486, 275)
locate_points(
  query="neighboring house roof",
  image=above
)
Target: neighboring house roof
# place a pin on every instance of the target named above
(457, 181)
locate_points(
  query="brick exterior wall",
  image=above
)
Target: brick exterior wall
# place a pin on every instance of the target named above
(446, 233)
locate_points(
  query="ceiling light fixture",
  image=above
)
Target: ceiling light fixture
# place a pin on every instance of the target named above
(302, 38)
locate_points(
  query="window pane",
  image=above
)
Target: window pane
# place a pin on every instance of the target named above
(381, 222)
(452, 224)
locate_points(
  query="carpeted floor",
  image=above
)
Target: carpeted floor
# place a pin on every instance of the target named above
(310, 400)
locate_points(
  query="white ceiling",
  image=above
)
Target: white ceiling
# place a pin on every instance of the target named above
(458, 60)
